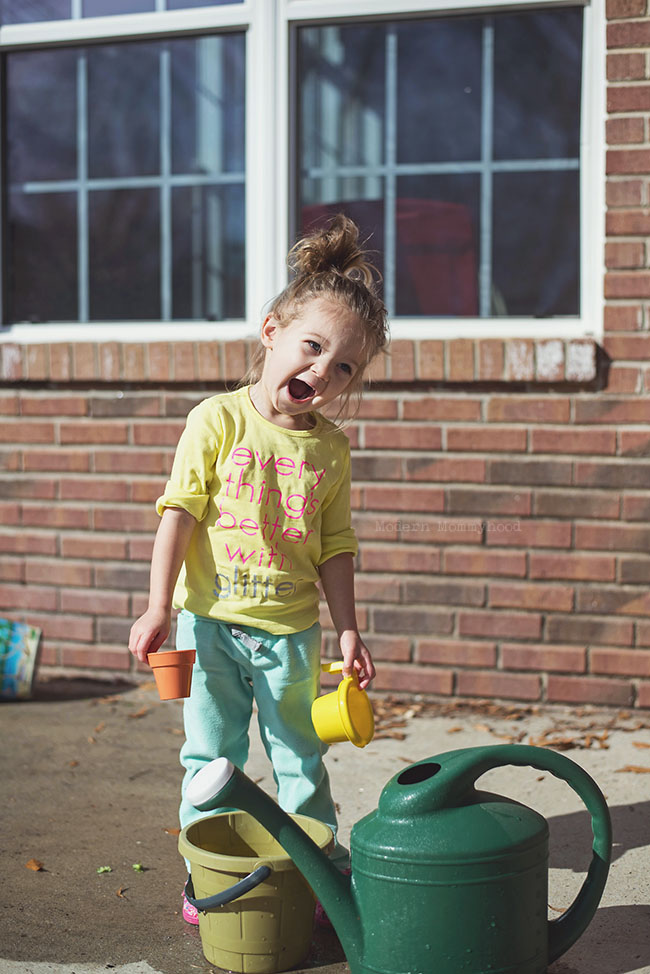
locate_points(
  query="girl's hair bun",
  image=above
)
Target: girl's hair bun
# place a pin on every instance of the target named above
(333, 248)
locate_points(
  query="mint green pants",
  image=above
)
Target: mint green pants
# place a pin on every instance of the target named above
(234, 666)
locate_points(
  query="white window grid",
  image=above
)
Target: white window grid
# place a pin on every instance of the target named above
(270, 155)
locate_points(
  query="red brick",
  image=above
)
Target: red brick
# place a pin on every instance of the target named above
(511, 686)
(96, 658)
(10, 513)
(443, 409)
(490, 360)
(623, 380)
(390, 648)
(148, 491)
(400, 557)
(625, 8)
(574, 566)
(93, 489)
(402, 361)
(403, 620)
(100, 603)
(449, 652)
(443, 592)
(481, 562)
(20, 431)
(183, 362)
(61, 461)
(579, 504)
(209, 364)
(93, 547)
(487, 439)
(460, 360)
(157, 434)
(636, 34)
(431, 360)
(620, 131)
(131, 462)
(83, 361)
(626, 67)
(621, 255)
(623, 317)
(530, 534)
(549, 360)
(36, 360)
(634, 571)
(377, 407)
(9, 404)
(613, 412)
(499, 624)
(376, 468)
(585, 630)
(28, 542)
(445, 469)
(614, 600)
(624, 193)
(93, 432)
(56, 517)
(159, 365)
(59, 572)
(110, 361)
(612, 537)
(428, 500)
(622, 284)
(620, 662)
(377, 588)
(643, 695)
(529, 409)
(560, 659)
(61, 362)
(634, 222)
(414, 679)
(636, 507)
(402, 436)
(28, 597)
(520, 360)
(585, 689)
(554, 598)
(554, 439)
(11, 361)
(125, 519)
(52, 405)
(482, 501)
(615, 474)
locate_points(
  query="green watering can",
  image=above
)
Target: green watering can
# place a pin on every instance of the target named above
(445, 879)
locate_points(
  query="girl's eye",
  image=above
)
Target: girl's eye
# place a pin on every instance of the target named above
(346, 368)
(313, 345)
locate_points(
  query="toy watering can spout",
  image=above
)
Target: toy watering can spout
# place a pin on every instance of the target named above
(220, 784)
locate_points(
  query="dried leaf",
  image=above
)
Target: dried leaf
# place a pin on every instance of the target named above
(556, 909)
(121, 891)
(635, 769)
(91, 740)
(640, 744)
(73, 764)
(455, 729)
(100, 727)
(35, 865)
(139, 713)
(172, 831)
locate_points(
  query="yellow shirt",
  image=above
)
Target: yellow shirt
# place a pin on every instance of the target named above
(271, 505)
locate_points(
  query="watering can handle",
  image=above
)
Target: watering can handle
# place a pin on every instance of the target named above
(466, 765)
(244, 885)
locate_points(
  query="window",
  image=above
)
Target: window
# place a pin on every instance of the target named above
(162, 155)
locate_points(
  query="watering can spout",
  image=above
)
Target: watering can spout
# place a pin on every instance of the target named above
(220, 784)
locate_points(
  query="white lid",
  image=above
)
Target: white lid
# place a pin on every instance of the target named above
(209, 781)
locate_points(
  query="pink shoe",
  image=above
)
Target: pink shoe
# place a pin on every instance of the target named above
(190, 913)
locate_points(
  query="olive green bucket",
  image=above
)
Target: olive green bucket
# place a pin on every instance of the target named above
(256, 910)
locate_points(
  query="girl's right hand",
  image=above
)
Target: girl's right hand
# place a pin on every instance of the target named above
(149, 632)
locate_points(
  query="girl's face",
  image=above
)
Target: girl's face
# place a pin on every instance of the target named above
(308, 363)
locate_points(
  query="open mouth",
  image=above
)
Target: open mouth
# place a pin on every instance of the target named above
(299, 390)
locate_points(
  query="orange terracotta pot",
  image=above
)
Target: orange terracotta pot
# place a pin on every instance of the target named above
(173, 672)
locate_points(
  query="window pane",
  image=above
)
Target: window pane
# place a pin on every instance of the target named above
(536, 244)
(184, 4)
(20, 12)
(537, 80)
(208, 252)
(437, 219)
(42, 144)
(124, 246)
(436, 135)
(42, 257)
(163, 129)
(124, 121)
(439, 90)
(208, 77)
(100, 8)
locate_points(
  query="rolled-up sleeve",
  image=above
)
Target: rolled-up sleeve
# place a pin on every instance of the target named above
(194, 466)
(337, 535)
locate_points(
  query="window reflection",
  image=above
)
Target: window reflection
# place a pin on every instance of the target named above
(147, 141)
(455, 143)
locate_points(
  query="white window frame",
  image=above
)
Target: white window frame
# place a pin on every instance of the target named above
(269, 27)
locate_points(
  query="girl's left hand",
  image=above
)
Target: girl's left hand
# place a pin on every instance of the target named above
(356, 658)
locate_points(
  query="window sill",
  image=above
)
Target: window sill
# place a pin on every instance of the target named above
(460, 360)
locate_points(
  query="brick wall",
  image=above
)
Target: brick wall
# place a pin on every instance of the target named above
(501, 495)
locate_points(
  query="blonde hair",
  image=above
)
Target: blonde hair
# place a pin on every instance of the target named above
(330, 263)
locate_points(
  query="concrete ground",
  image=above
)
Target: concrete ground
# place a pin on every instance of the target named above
(90, 778)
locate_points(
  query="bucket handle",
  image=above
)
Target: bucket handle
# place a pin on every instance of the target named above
(244, 885)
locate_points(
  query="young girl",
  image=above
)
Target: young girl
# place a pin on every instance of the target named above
(257, 513)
